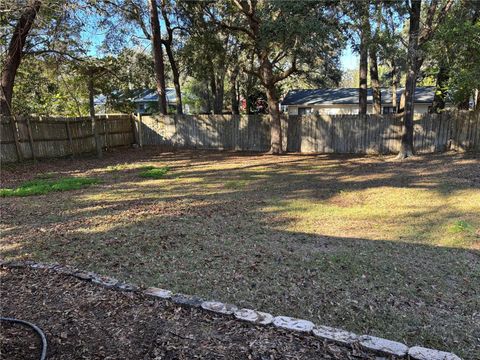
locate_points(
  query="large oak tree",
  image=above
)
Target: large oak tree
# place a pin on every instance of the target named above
(418, 36)
(283, 35)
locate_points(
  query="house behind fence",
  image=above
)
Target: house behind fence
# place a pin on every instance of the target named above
(26, 138)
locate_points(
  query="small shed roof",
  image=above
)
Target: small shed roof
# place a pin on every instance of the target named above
(350, 96)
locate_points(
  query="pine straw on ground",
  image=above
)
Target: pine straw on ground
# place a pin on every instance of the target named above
(86, 321)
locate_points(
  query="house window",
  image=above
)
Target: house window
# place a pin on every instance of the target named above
(304, 111)
(389, 110)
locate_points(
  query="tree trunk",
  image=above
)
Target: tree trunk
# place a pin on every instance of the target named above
(207, 100)
(234, 90)
(176, 79)
(14, 54)
(401, 105)
(440, 90)
(171, 59)
(364, 36)
(275, 121)
(394, 95)
(217, 87)
(220, 95)
(406, 148)
(464, 105)
(249, 85)
(213, 89)
(158, 57)
(376, 91)
(98, 145)
(394, 86)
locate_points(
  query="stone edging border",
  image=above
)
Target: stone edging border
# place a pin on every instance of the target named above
(367, 343)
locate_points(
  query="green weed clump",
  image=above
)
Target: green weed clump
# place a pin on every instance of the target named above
(152, 172)
(45, 186)
(461, 226)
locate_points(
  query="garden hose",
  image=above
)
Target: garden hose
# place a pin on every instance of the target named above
(39, 331)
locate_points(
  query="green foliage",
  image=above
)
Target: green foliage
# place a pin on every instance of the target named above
(456, 46)
(44, 186)
(46, 87)
(461, 226)
(152, 172)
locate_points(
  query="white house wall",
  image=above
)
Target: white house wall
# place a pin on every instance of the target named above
(346, 109)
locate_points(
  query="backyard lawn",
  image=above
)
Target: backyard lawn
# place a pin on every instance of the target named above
(368, 244)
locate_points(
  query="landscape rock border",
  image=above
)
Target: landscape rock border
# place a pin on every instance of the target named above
(368, 343)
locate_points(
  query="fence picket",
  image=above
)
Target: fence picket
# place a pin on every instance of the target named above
(50, 137)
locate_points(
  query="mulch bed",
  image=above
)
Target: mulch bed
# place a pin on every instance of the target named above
(83, 320)
(18, 342)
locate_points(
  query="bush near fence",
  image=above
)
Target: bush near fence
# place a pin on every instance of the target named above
(26, 138)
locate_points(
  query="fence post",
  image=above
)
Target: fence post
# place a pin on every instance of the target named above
(13, 125)
(105, 130)
(69, 135)
(133, 125)
(140, 130)
(30, 139)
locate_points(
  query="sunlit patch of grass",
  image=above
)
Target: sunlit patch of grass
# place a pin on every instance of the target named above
(43, 186)
(118, 167)
(47, 175)
(128, 166)
(152, 172)
(384, 213)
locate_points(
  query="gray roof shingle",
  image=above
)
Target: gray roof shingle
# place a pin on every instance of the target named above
(152, 96)
(350, 96)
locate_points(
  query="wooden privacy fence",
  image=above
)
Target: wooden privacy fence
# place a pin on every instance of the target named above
(33, 137)
(455, 130)
(26, 138)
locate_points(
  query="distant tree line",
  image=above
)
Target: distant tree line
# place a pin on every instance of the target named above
(236, 56)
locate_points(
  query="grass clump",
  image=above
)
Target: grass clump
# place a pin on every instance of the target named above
(152, 172)
(48, 175)
(236, 184)
(44, 186)
(461, 226)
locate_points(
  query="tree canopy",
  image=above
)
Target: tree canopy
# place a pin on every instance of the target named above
(236, 56)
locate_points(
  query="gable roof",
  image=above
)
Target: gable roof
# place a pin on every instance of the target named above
(350, 96)
(152, 96)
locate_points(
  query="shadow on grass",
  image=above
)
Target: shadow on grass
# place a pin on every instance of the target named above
(239, 243)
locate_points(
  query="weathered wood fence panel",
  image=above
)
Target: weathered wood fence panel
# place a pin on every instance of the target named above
(59, 136)
(372, 134)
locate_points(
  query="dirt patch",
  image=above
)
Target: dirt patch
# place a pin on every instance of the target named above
(83, 320)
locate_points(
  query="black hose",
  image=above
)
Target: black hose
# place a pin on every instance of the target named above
(39, 331)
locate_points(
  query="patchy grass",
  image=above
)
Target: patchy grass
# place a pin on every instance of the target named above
(153, 172)
(42, 186)
(368, 244)
(236, 184)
